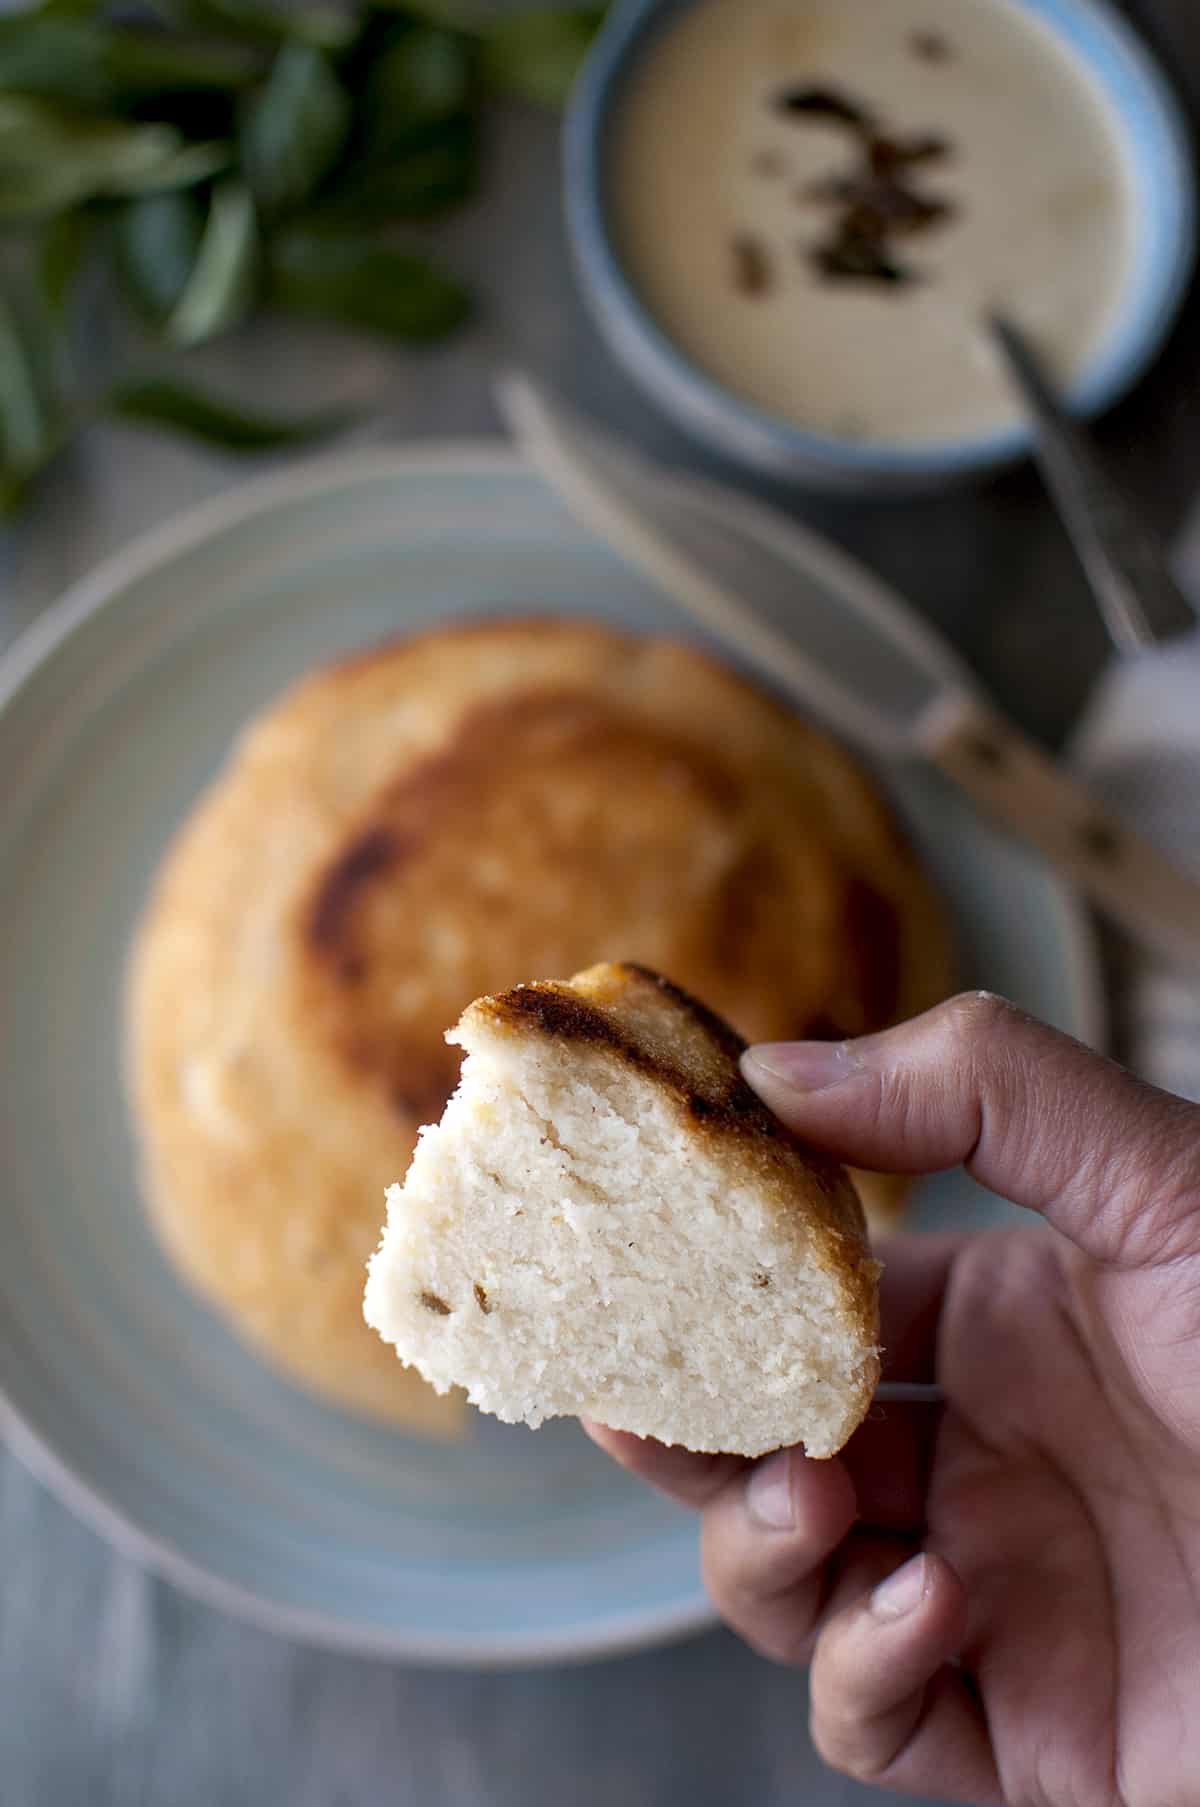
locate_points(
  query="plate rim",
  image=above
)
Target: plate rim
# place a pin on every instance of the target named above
(636, 1631)
(88, 597)
(190, 526)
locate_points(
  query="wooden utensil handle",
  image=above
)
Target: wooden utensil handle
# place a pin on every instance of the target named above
(1013, 780)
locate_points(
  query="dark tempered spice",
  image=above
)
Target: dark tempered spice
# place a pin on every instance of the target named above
(887, 155)
(751, 265)
(847, 258)
(822, 103)
(931, 47)
(873, 209)
(767, 163)
(874, 201)
(435, 1303)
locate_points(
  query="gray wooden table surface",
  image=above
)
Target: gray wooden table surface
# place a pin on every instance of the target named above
(115, 1690)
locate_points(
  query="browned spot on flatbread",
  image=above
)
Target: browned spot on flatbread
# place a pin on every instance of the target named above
(820, 1027)
(743, 897)
(424, 1093)
(534, 780)
(868, 996)
(360, 865)
(873, 933)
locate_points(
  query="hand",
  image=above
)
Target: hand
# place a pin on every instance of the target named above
(1000, 1599)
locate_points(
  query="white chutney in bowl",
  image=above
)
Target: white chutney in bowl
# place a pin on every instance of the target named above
(793, 218)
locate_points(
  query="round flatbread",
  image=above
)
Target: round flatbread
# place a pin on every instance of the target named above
(447, 816)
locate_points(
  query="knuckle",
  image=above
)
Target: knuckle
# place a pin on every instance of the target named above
(777, 1621)
(908, 1105)
(729, 1570)
(846, 1735)
(723, 1565)
(893, 1102)
(973, 1016)
(844, 1744)
(787, 1640)
(1158, 1193)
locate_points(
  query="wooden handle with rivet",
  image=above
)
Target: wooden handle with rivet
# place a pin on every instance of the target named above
(1019, 785)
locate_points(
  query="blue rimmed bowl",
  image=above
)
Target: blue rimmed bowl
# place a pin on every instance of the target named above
(1159, 156)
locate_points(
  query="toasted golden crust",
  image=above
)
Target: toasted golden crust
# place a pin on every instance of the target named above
(436, 819)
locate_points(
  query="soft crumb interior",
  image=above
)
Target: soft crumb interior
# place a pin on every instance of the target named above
(565, 1243)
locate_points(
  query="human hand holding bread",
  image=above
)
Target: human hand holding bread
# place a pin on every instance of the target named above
(998, 1599)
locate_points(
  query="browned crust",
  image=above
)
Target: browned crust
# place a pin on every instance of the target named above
(368, 858)
(410, 810)
(564, 1013)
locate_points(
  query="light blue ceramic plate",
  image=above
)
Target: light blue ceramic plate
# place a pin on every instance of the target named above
(1160, 163)
(134, 1402)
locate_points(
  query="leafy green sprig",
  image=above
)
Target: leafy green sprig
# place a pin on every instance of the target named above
(210, 159)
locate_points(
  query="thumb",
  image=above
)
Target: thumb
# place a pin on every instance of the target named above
(1113, 1163)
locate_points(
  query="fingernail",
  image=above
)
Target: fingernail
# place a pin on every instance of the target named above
(769, 1493)
(901, 1592)
(801, 1066)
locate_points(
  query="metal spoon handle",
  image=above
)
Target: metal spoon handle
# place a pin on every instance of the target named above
(1126, 566)
(908, 1392)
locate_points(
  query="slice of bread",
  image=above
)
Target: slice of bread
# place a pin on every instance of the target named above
(606, 1222)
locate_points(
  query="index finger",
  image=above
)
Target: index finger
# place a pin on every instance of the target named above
(682, 1474)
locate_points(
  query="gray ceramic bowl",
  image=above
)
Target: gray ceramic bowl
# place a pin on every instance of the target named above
(1160, 162)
